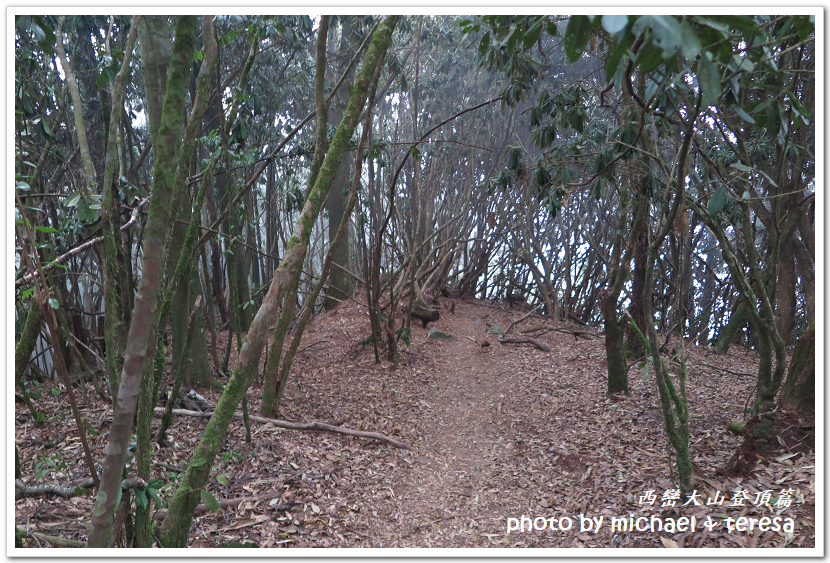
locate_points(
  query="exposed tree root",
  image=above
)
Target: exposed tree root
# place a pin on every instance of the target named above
(524, 339)
(312, 426)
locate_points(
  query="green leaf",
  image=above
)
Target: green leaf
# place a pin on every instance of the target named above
(689, 41)
(514, 158)
(198, 463)
(209, 501)
(744, 24)
(648, 58)
(769, 179)
(72, 200)
(717, 202)
(741, 167)
(223, 479)
(745, 116)
(154, 494)
(708, 77)
(576, 37)
(614, 23)
(667, 33)
(54, 303)
(532, 35)
(21, 185)
(55, 391)
(739, 63)
(155, 483)
(46, 229)
(141, 500)
(622, 42)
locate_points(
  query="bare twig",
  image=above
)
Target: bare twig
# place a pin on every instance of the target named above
(80, 248)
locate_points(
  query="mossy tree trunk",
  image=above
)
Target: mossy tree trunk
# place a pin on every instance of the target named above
(153, 255)
(341, 285)
(799, 391)
(23, 352)
(619, 263)
(674, 400)
(180, 256)
(176, 526)
(728, 332)
(288, 357)
(271, 376)
(633, 344)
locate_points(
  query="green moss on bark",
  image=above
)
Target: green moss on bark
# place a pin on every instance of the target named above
(176, 525)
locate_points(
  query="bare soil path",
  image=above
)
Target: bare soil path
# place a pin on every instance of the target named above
(500, 430)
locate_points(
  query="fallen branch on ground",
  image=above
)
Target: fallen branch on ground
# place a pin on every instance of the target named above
(67, 491)
(312, 426)
(525, 339)
(577, 334)
(201, 508)
(54, 540)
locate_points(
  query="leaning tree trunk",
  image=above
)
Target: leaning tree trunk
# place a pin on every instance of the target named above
(176, 526)
(155, 233)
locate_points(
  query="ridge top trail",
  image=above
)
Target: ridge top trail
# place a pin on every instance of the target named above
(500, 430)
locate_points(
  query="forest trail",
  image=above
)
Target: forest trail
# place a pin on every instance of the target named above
(505, 430)
(500, 431)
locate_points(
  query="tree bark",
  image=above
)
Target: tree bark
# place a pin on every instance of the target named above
(155, 232)
(785, 293)
(176, 526)
(799, 391)
(340, 282)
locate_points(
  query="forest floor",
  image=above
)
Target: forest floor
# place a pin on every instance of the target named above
(500, 431)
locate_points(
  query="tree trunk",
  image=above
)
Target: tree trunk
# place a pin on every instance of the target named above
(155, 232)
(634, 344)
(785, 293)
(23, 353)
(340, 281)
(728, 333)
(176, 526)
(614, 347)
(799, 391)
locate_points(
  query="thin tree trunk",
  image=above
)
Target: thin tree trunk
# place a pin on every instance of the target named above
(176, 526)
(158, 222)
(341, 286)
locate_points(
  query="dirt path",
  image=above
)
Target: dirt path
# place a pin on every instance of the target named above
(452, 489)
(504, 431)
(500, 431)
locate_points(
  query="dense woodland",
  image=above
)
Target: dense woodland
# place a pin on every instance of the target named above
(192, 193)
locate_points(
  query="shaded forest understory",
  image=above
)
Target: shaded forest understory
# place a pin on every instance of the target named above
(364, 239)
(499, 431)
